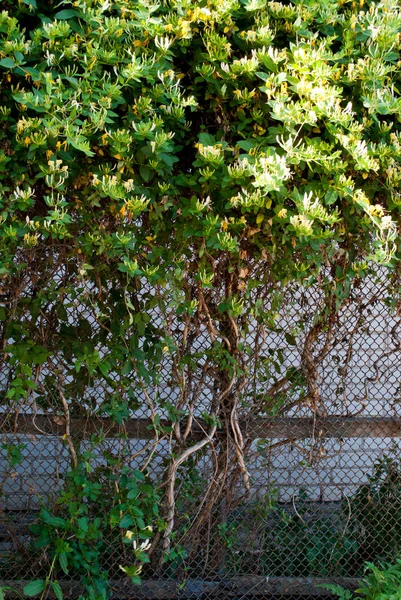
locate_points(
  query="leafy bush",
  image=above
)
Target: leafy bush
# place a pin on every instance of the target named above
(218, 127)
(376, 512)
(383, 582)
(104, 517)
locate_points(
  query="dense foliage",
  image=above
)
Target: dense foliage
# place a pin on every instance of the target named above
(186, 158)
(226, 129)
(382, 582)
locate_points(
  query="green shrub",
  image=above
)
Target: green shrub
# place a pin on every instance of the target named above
(376, 512)
(383, 582)
(220, 127)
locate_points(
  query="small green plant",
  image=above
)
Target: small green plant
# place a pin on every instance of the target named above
(382, 582)
(102, 513)
(376, 512)
(6, 588)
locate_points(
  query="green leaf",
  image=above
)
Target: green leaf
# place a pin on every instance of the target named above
(73, 81)
(63, 560)
(206, 139)
(146, 173)
(290, 339)
(58, 592)
(68, 13)
(33, 588)
(81, 144)
(52, 520)
(18, 56)
(246, 145)
(168, 159)
(330, 196)
(264, 76)
(7, 63)
(30, 3)
(126, 522)
(83, 524)
(104, 368)
(138, 475)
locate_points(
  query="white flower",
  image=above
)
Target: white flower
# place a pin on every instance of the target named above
(302, 224)
(145, 545)
(49, 58)
(387, 222)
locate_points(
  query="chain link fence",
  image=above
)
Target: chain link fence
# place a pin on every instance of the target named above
(314, 496)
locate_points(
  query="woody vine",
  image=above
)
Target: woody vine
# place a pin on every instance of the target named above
(167, 172)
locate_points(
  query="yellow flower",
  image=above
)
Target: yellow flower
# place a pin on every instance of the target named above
(31, 239)
(376, 210)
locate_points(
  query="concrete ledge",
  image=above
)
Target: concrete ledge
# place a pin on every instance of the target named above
(233, 587)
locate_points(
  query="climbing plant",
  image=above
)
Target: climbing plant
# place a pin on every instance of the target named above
(189, 160)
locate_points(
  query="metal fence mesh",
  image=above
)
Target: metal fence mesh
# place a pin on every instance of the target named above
(325, 481)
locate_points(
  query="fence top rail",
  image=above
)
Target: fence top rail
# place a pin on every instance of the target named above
(337, 427)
